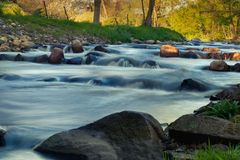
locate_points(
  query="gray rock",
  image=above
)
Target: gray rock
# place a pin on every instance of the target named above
(232, 93)
(194, 129)
(125, 135)
(193, 85)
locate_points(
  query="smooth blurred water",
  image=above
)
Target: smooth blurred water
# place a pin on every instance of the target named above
(38, 100)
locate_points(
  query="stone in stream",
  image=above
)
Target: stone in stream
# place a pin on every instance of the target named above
(41, 59)
(232, 94)
(2, 133)
(77, 46)
(169, 51)
(236, 67)
(125, 135)
(232, 56)
(219, 66)
(211, 50)
(214, 55)
(56, 57)
(190, 54)
(19, 57)
(197, 129)
(75, 60)
(101, 49)
(193, 85)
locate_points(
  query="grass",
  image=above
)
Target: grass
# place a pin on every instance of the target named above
(224, 109)
(210, 153)
(111, 33)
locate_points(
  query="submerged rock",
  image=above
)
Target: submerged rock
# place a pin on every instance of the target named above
(19, 57)
(77, 46)
(41, 59)
(169, 51)
(193, 85)
(194, 129)
(219, 66)
(125, 135)
(56, 56)
(190, 54)
(2, 133)
(101, 49)
(76, 60)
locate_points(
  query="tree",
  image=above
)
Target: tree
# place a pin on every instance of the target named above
(148, 20)
(97, 10)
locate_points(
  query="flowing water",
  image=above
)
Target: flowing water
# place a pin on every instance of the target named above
(38, 100)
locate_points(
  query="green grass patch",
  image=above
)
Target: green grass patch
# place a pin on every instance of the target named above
(224, 109)
(58, 27)
(210, 153)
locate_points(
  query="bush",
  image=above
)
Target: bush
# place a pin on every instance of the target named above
(224, 109)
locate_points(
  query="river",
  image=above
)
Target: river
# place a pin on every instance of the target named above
(38, 100)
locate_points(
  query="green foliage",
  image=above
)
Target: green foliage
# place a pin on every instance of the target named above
(224, 109)
(111, 33)
(7, 8)
(210, 153)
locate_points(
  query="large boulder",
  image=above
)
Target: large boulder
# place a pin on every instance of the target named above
(77, 46)
(196, 129)
(125, 135)
(56, 57)
(219, 66)
(2, 133)
(193, 85)
(232, 94)
(169, 51)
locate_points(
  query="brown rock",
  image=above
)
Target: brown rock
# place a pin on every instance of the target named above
(56, 56)
(211, 50)
(214, 55)
(194, 129)
(232, 56)
(219, 66)
(169, 51)
(125, 135)
(77, 46)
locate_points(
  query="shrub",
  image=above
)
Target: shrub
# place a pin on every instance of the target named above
(224, 109)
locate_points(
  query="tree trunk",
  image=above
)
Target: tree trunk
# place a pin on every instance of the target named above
(143, 10)
(97, 10)
(148, 21)
(238, 28)
(104, 9)
(233, 30)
